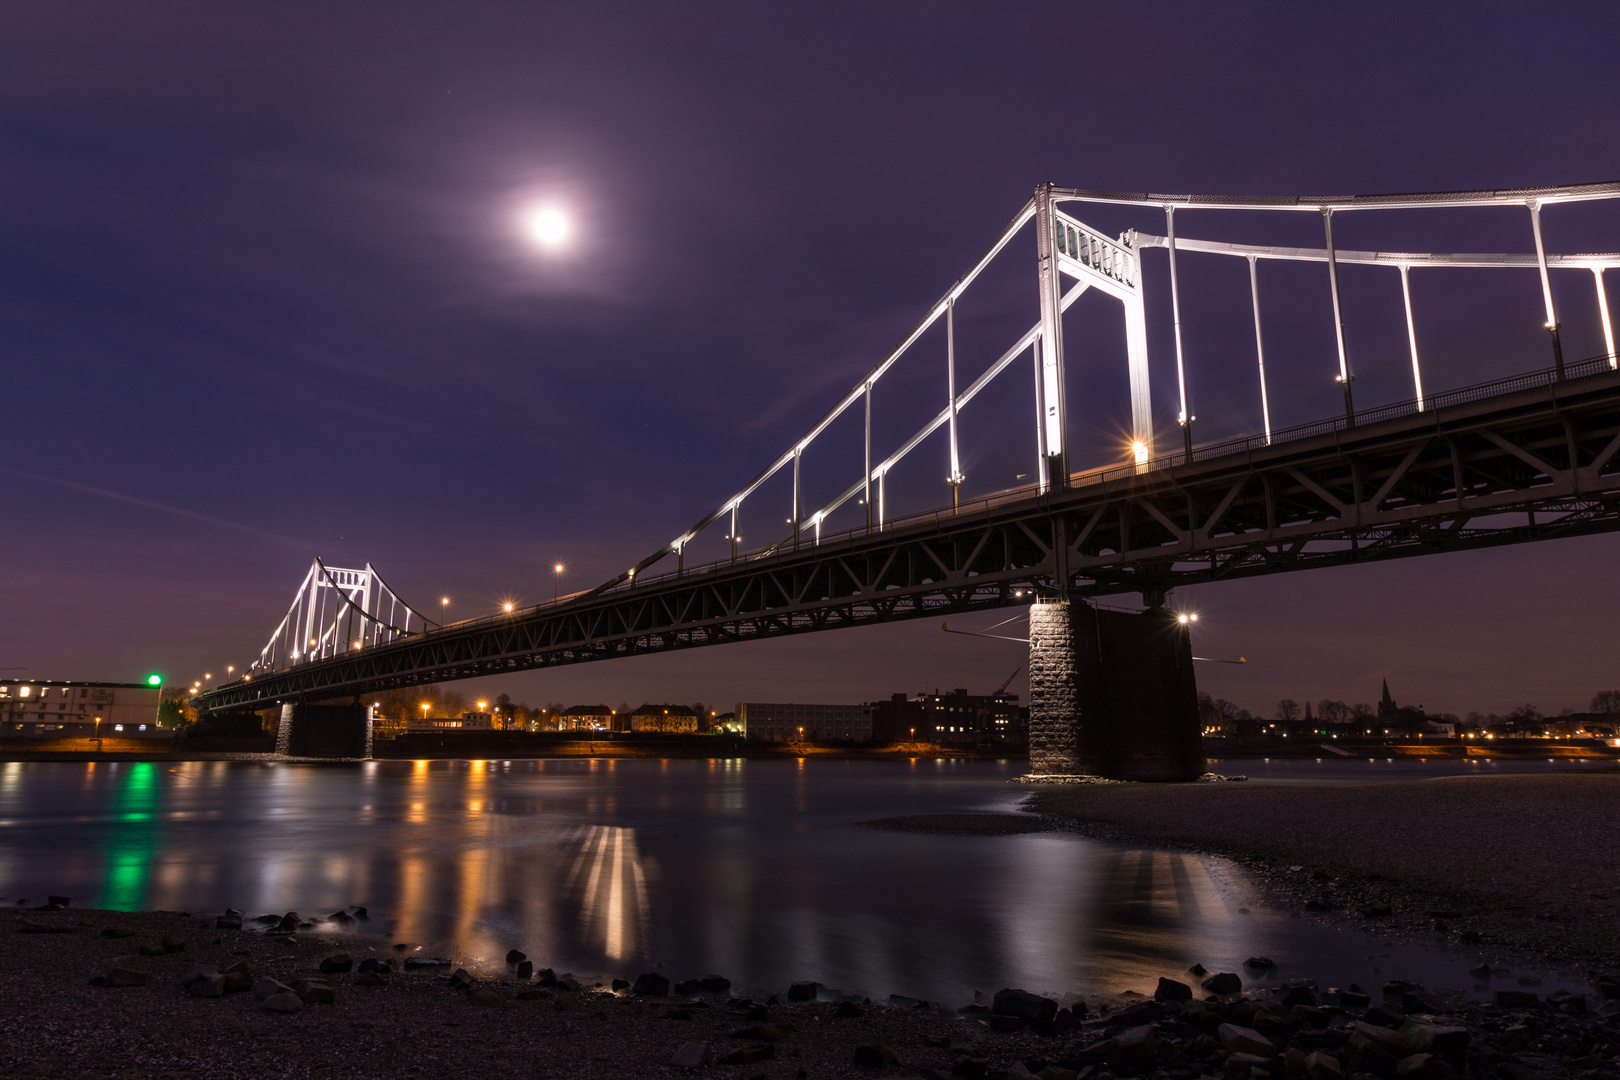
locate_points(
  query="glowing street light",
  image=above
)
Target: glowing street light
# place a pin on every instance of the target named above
(556, 577)
(548, 226)
(507, 606)
(444, 609)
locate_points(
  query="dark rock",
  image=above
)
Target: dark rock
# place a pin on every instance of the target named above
(901, 1001)
(337, 964)
(1243, 1040)
(288, 922)
(1608, 986)
(686, 987)
(1320, 1066)
(714, 984)
(876, 1057)
(1198, 971)
(648, 984)
(621, 984)
(1260, 963)
(228, 922)
(1134, 1048)
(803, 991)
(1422, 1067)
(286, 1002)
(204, 981)
(58, 901)
(1297, 995)
(1445, 1040)
(749, 1055)
(1384, 1017)
(513, 956)
(1515, 999)
(314, 993)
(525, 968)
(423, 963)
(692, 1055)
(1226, 982)
(1033, 1009)
(461, 979)
(1143, 1012)
(1171, 990)
(757, 1012)
(1353, 999)
(1239, 1066)
(848, 1010)
(360, 912)
(1417, 1003)
(268, 987)
(1363, 1052)
(342, 917)
(485, 995)
(1063, 1021)
(238, 979)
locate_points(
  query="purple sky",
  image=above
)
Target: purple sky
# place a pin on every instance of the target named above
(263, 297)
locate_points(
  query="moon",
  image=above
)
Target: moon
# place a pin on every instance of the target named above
(548, 226)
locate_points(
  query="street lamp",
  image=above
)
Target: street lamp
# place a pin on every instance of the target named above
(556, 576)
(444, 609)
(424, 712)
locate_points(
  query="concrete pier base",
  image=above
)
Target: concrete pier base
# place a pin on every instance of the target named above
(324, 731)
(1112, 694)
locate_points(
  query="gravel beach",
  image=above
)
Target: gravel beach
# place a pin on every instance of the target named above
(1527, 864)
(172, 995)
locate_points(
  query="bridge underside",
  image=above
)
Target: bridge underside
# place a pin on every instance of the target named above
(1536, 464)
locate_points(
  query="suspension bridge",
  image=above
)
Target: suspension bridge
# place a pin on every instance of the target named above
(1533, 456)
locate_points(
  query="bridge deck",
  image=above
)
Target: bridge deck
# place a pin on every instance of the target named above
(1525, 459)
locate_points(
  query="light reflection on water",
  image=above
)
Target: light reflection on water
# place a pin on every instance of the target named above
(755, 870)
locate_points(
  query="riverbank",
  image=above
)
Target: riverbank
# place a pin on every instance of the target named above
(515, 746)
(150, 994)
(1522, 863)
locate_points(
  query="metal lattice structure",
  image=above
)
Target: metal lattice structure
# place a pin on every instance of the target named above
(1532, 457)
(336, 612)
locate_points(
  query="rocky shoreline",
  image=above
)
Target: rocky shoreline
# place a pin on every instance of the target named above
(166, 994)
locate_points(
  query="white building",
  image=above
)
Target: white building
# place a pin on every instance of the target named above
(791, 722)
(64, 709)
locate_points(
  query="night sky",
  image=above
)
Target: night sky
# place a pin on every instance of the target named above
(265, 295)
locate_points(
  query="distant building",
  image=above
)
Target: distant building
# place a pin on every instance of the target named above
(469, 721)
(789, 722)
(67, 709)
(666, 718)
(586, 718)
(954, 718)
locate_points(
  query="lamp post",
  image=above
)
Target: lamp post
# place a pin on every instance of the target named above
(556, 578)
(444, 609)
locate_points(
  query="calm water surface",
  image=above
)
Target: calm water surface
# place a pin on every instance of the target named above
(752, 869)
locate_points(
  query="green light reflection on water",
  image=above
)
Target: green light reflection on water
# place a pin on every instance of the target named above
(131, 840)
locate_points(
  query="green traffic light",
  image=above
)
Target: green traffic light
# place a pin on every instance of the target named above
(154, 680)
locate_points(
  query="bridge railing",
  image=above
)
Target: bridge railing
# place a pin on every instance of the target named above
(1513, 384)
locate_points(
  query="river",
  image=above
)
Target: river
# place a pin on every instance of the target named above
(757, 870)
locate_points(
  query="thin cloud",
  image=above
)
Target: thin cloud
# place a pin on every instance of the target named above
(150, 505)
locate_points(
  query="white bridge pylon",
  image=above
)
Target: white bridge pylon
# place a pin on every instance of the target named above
(337, 611)
(1073, 257)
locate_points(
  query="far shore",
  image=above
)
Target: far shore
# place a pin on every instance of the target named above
(521, 745)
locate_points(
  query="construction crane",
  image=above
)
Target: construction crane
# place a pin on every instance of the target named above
(1002, 689)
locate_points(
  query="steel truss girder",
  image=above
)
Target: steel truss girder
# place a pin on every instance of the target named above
(1535, 465)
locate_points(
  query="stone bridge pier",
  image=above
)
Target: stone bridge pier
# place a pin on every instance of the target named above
(1112, 694)
(339, 732)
